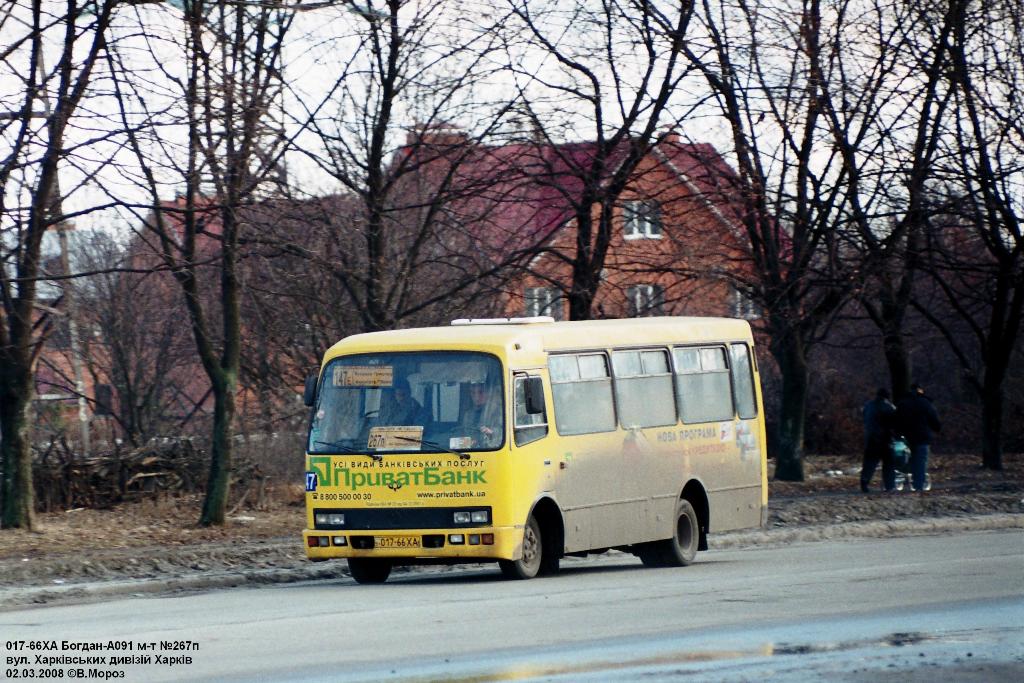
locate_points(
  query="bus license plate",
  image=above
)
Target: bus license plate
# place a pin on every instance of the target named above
(397, 542)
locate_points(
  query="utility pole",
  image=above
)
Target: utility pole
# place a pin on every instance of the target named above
(71, 309)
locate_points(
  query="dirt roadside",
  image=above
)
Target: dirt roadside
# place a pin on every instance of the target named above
(155, 546)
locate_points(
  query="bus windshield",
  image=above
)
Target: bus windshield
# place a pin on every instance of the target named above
(437, 401)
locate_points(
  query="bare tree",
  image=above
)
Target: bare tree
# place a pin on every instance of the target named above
(607, 69)
(141, 352)
(77, 39)
(401, 133)
(232, 60)
(977, 254)
(884, 100)
(764, 64)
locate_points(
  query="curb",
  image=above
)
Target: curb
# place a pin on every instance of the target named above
(26, 596)
(918, 526)
(20, 597)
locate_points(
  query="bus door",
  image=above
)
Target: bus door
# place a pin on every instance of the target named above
(593, 480)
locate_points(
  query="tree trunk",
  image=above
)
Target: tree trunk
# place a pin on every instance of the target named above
(218, 484)
(992, 421)
(900, 368)
(888, 313)
(789, 352)
(18, 492)
(581, 302)
(584, 290)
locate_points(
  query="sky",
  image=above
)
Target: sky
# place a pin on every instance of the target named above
(146, 39)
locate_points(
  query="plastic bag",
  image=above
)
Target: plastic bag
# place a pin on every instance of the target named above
(900, 454)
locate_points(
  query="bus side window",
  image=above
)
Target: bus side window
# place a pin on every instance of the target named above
(743, 381)
(643, 388)
(528, 428)
(704, 391)
(582, 389)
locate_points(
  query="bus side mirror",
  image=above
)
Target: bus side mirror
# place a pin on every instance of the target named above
(534, 388)
(309, 393)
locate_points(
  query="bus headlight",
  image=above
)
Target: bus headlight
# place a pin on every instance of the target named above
(472, 517)
(329, 519)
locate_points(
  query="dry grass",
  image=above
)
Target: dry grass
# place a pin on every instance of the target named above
(169, 521)
(949, 473)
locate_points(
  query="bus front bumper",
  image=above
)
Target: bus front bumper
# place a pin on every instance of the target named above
(478, 543)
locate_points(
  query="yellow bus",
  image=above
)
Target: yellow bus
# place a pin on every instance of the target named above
(525, 440)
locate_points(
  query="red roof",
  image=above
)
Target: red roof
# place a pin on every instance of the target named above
(510, 197)
(527, 191)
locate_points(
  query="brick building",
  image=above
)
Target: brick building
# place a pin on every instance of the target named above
(676, 248)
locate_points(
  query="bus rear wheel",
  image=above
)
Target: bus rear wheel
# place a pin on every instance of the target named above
(369, 570)
(533, 557)
(681, 549)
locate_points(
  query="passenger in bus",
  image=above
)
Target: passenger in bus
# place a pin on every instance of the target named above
(482, 419)
(400, 409)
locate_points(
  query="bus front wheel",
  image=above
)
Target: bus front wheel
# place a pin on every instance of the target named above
(529, 565)
(369, 570)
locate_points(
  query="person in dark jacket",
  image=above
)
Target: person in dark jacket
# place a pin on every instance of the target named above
(399, 408)
(917, 420)
(879, 416)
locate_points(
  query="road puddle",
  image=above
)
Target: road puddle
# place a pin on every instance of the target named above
(525, 671)
(521, 671)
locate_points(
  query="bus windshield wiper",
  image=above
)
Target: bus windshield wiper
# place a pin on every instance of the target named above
(434, 444)
(347, 450)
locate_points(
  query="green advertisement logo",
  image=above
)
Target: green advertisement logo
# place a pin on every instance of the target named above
(345, 477)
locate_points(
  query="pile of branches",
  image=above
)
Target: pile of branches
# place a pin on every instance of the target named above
(65, 480)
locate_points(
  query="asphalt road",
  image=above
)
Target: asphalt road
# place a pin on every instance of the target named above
(945, 607)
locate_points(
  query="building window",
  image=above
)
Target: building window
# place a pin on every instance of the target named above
(641, 220)
(60, 334)
(104, 403)
(645, 300)
(743, 306)
(544, 301)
